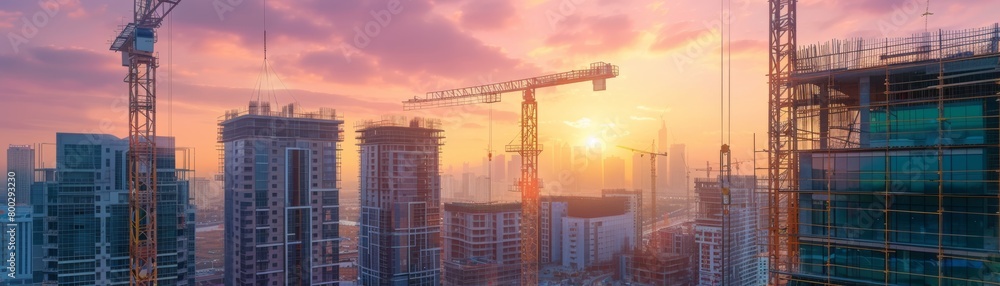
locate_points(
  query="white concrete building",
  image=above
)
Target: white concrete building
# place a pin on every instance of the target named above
(579, 232)
(728, 246)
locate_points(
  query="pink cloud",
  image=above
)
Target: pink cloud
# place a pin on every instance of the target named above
(677, 35)
(488, 14)
(359, 41)
(591, 35)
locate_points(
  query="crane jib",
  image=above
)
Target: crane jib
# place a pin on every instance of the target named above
(598, 73)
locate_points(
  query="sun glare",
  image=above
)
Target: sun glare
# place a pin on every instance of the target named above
(593, 142)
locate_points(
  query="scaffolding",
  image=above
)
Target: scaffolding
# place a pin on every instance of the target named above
(884, 162)
(675, 263)
(276, 124)
(481, 244)
(400, 186)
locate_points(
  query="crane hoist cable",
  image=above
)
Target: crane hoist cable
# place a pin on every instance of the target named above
(489, 156)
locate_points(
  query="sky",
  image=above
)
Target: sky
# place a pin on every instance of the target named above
(363, 58)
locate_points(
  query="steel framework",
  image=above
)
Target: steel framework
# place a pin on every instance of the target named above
(916, 103)
(529, 185)
(142, 181)
(782, 174)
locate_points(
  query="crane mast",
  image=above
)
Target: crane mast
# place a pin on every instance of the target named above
(135, 42)
(529, 185)
(654, 239)
(782, 177)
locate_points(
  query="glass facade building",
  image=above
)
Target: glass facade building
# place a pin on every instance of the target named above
(896, 148)
(80, 213)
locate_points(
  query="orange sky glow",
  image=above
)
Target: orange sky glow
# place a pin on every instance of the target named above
(58, 75)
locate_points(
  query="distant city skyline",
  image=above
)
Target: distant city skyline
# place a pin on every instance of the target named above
(507, 142)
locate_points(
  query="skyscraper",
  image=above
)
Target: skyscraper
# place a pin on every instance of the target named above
(588, 169)
(640, 172)
(21, 161)
(514, 169)
(400, 233)
(664, 181)
(562, 160)
(614, 173)
(282, 181)
(482, 244)
(728, 244)
(678, 170)
(83, 214)
(202, 192)
(640, 182)
(499, 169)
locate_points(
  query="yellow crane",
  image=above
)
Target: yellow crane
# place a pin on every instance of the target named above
(529, 184)
(135, 42)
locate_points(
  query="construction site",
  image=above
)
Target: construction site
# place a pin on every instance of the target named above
(481, 244)
(883, 158)
(882, 167)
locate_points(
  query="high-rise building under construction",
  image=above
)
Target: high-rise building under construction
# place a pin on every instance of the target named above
(400, 232)
(282, 186)
(889, 162)
(482, 244)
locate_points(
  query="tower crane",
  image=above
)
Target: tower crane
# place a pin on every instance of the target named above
(529, 148)
(135, 42)
(708, 167)
(654, 241)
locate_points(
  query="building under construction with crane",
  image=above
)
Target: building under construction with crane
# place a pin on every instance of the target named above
(727, 242)
(884, 158)
(282, 186)
(528, 184)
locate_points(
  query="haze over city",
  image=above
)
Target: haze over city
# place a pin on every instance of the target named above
(64, 79)
(507, 142)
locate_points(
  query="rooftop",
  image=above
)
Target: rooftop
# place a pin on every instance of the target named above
(483, 207)
(859, 53)
(398, 121)
(591, 207)
(291, 110)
